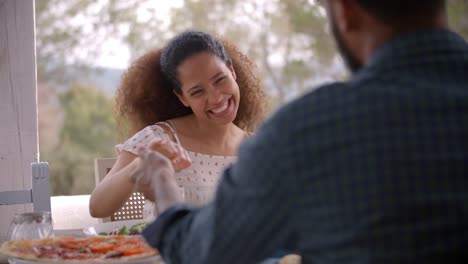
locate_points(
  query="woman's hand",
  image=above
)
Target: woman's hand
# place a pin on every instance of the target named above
(155, 173)
(174, 152)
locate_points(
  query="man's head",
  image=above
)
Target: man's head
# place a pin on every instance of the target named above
(362, 26)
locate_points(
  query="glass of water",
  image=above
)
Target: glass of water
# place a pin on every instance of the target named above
(35, 225)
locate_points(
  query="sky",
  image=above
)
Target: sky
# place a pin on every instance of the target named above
(118, 54)
(118, 60)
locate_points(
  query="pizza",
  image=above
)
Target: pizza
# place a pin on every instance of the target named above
(99, 249)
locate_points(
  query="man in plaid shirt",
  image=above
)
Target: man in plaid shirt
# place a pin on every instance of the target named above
(372, 170)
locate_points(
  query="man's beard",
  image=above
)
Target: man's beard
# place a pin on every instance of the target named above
(350, 60)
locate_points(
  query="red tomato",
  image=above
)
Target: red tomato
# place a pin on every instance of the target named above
(72, 243)
(130, 249)
(100, 247)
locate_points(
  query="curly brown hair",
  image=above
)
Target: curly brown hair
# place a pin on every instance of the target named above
(145, 97)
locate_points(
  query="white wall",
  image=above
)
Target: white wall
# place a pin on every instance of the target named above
(18, 103)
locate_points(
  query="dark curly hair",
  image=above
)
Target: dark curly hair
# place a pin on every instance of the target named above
(185, 45)
(145, 95)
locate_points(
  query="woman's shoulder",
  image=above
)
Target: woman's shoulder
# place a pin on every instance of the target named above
(142, 138)
(154, 130)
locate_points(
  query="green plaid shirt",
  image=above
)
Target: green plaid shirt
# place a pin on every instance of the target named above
(373, 170)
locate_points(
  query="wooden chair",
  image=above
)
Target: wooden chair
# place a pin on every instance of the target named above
(38, 195)
(133, 208)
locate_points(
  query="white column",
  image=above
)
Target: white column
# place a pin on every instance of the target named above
(18, 102)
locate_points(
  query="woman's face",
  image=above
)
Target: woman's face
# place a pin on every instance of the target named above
(209, 88)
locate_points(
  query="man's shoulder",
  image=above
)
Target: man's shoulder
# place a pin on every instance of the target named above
(323, 99)
(333, 103)
(305, 112)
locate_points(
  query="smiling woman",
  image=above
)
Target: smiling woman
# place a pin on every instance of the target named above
(201, 94)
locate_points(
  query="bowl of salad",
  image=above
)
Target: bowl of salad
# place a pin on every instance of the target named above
(126, 228)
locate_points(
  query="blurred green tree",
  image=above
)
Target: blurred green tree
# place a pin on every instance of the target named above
(74, 32)
(284, 37)
(75, 121)
(87, 133)
(458, 16)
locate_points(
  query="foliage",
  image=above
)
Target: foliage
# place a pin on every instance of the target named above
(458, 16)
(75, 32)
(87, 133)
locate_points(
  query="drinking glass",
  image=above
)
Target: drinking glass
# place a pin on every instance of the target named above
(35, 225)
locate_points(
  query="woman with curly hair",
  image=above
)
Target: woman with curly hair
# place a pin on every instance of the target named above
(198, 94)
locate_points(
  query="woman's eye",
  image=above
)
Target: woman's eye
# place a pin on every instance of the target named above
(220, 79)
(195, 93)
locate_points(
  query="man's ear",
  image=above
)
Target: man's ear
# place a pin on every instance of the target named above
(182, 98)
(347, 15)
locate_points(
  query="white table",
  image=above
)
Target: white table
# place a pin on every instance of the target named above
(72, 212)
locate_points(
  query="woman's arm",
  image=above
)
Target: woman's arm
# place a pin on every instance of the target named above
(115, 189)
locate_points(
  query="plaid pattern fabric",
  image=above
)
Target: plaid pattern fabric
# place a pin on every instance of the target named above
(374, 170)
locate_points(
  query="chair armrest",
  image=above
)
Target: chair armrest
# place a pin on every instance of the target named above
(16, 197)
(40, 186)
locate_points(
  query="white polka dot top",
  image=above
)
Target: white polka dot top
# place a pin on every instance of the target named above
(198, 181)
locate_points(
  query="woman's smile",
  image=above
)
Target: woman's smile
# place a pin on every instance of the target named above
(223, 109)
